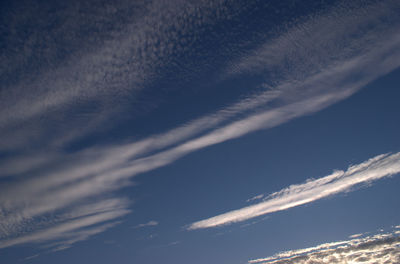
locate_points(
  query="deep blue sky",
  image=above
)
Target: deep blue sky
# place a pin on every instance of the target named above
(131, 131)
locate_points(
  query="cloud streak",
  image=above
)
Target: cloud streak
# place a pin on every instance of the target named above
(150, 223)
(77, 223)
(312, 190)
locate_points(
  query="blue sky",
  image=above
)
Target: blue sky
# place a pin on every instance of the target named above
(199, 131)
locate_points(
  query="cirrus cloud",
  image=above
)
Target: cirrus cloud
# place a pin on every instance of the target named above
(312, 190)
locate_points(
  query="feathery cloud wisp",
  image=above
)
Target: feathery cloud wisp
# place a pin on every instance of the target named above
(150, 223)
(76, 224)
(339, 181)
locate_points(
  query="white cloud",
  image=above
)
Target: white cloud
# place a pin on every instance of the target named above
(150, 223)
(320, 41)
(123, 60)
(78, 223)
(355, 235)
(257, 197)
(60, 184)
(314, 189)
(32, 257)
(379, 248)
(98, 171)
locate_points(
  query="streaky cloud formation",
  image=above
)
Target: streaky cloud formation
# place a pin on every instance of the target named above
(255, 198)
(74, 225)
(150, 223)
(378, 248)
(74, 193)
(313, 189)
(98, 172)
(113, 62)
(356, 235)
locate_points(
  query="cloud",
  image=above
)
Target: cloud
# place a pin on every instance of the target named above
(314, 43)
(379, 248)
(88, 76)
(313, 189)
(150, 223)
(74, 192)
(355, 235)
(257, 197)
(77, 223)
(32, 257)
(98, 171)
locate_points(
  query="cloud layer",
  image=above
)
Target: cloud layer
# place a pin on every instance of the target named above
(96, 58)
(57, 197)
(73, 225)
(313, 189)
(379, 248)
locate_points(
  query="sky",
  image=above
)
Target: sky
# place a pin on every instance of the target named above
(207, 131)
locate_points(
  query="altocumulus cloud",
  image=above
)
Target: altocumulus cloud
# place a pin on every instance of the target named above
(59, 198)
(314, 189)
(379, 248)
(128, 42)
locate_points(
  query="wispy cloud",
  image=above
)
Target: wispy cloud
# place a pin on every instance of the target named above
(320, 36)
(150, 223)
(379, 248)
(355, 235)
(122, 54)
(257, 197)
(76, 224)
(32, 257)
(72, 190)
(313, 189)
